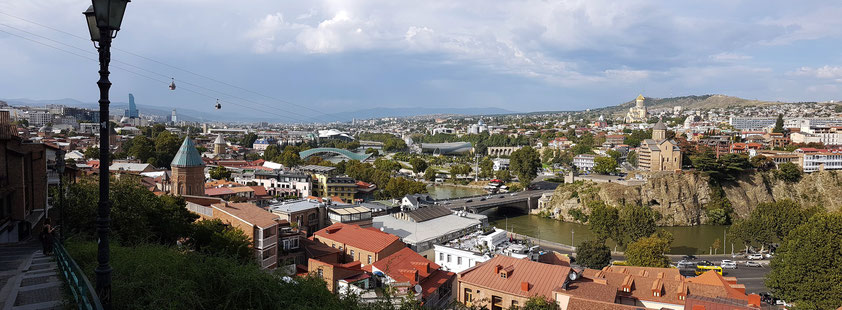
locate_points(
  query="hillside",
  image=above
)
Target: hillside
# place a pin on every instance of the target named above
(681, 197)
(687, 102)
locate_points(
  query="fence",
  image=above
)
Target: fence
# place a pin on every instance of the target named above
(83, 293)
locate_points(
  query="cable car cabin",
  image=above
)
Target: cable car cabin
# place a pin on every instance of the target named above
(702, 269)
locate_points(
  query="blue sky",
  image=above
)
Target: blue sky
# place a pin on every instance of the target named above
(346, 55)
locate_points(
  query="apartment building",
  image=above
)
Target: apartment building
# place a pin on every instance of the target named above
(812, 162)
(504, 282)
(341, 278)
(366, 245)
(307, 214)
(407, 270)
(584, 162)
(259, 225)
(334, 186)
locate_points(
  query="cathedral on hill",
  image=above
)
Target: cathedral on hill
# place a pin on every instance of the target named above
(637, 113)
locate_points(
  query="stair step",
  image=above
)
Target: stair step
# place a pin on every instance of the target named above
(55, 304)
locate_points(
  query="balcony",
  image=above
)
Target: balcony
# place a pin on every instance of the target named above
(269, 262)
(52, 178)
(267, 242)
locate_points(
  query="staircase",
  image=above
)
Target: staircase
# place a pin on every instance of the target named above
(29, 279)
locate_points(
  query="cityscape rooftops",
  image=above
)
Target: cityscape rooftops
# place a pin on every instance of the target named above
(248, 212)
(369, 239)
(523, 277)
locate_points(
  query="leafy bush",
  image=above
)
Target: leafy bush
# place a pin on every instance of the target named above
(788, 172)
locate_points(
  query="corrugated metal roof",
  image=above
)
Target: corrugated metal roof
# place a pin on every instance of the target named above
(187, 155)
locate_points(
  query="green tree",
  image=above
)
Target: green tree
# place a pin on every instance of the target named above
(216, 238)
(770, 222)
(779, 124)
(539, 303)
(762, 163)
(604, 222)
(387, 165)
(92, 152)
(486, 168)
(717, 244)
(605, 165)
(137, 214)
(271, 152)
(788, 172)
(220, 173)
(372, 151)
(547, 155)
(394, 145)
(418, 164)
(142, 148)
(807, 266)
(289, 157)
(525, 163)
(248, 140)
(593, 254)
(637, 222)
(632, 158)
(503, 175)
(166, 145)
(430, 174)
(648, 252)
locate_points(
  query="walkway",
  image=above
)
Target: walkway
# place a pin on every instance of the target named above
(29, 280)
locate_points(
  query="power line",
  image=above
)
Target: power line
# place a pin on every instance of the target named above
(175, 67)
(142, 75)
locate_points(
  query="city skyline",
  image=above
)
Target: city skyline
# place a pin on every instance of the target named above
(349, 56)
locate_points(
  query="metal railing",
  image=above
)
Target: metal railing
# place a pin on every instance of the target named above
(83, 293)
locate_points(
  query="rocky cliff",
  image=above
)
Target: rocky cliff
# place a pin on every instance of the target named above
(681, 197)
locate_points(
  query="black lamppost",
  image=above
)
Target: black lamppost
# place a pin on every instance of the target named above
(104, 19)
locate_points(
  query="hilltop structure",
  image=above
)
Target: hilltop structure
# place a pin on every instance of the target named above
(637, 113)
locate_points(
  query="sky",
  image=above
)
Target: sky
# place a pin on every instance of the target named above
(329, 56)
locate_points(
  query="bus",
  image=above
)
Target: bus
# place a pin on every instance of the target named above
(702, 269)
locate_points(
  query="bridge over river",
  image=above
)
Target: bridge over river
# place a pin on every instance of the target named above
(526, 200)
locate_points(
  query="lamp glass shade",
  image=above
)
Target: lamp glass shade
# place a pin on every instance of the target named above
(92, 26)
(109, 13)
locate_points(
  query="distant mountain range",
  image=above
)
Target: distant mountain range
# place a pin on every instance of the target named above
(233, 115)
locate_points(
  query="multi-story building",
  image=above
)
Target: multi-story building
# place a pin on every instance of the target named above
(39, 118)
(422, 228)
(307, 214)
(752, 123)
(281, 183)
(584, 162)
(778, 157)
(23, 184)
(259, 225)
(366, 245)
(349, 214)
(658, 153)
(812, 162)
(325, 186)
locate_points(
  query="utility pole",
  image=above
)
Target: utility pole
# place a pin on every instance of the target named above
(476, 168)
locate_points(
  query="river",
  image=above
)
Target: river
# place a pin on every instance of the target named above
(688, 240)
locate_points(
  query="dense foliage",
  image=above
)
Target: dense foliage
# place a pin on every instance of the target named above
(725, 168)
(770, 222)
(593, 254)
(220, 173)
(525, 163)
(650, 251)
(807, 268)
(605, 165)
(788, 172)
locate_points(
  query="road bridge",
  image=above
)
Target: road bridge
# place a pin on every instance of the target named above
(526, 201)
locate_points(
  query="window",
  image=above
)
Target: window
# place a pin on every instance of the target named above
(441, 256)
(369, 259)
(514, 304)
(503, 274)
(459, 260)
(321, 273)
(352, 254)
(448, 258)
(469, 297)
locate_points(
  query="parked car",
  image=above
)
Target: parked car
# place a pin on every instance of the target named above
(753, 264)
(685, 264)
(704, 263)
(728, 264)
(482, 199)
(755, 256)
(689, 257)
(469, 200)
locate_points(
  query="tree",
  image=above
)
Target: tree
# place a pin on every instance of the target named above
(637, 222)
(762, 163)
(539, 303)
(430, 174)
(418, 164)
(788, 172)
(605, 165)
(220, 173)
(92, 152)
(716, 245)
(770, 222)
(806, 268)
(214, 237)
(248, 140)
(387, 165)
(394, 145)
(372, 151)
(504, 175)
(779, 124)
(166, 146)
(593, 254)
(525, 163)
(604, 222)
(547, 155)
(632, 158)
(142, 148)
(649, 252)
(289, 157)
(486, 168)
(271, 152)
(615, 155)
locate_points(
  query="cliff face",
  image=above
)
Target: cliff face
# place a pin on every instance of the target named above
(680, 197)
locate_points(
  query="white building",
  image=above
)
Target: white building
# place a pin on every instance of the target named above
(501, 164)
(477, 128)
(443, 130)
(39, 118)
(813, 162)
(584, 162)
(457, 260)
(426, 226)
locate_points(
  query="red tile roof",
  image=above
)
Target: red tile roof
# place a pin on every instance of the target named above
(540, 279)
(366, 239)
(249, 212)
(219, 191)
(403, 265)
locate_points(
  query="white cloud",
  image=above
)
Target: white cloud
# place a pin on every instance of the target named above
(824, 72)
(729, 57)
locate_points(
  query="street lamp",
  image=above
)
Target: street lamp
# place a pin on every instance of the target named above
(104, 18)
